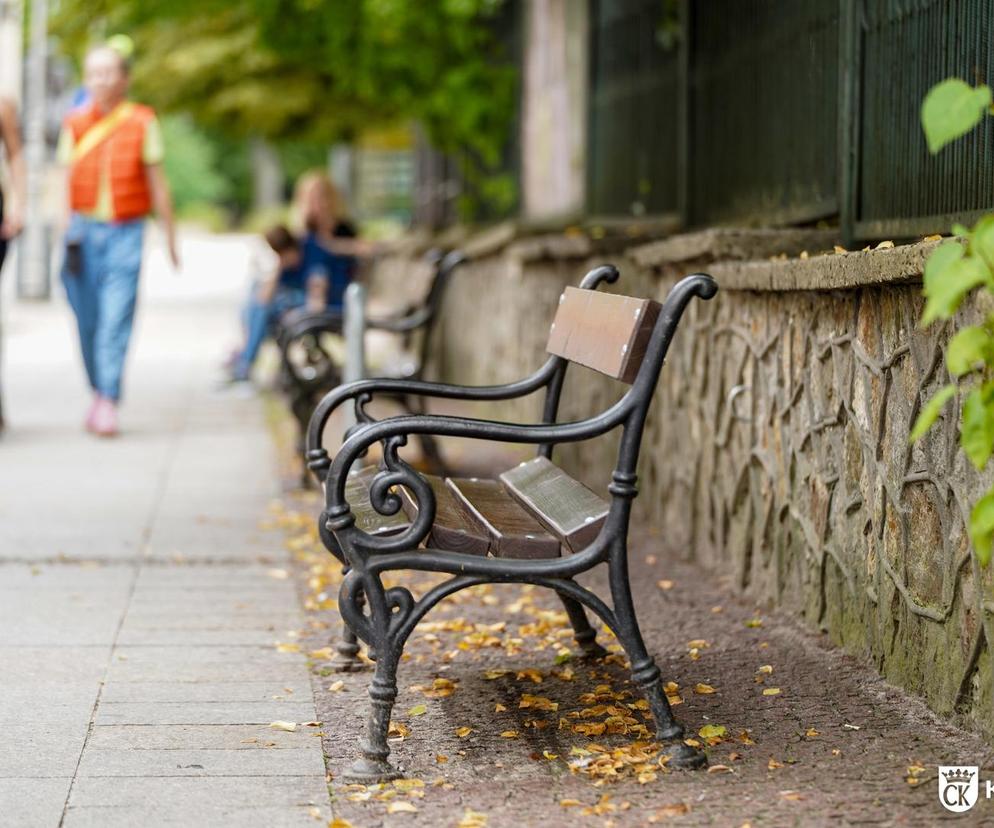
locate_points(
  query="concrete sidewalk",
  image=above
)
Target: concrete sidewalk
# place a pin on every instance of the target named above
(139, 602)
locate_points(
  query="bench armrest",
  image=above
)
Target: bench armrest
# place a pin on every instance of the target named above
(363, 390)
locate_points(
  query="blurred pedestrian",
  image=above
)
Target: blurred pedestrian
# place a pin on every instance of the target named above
(113, 151)
(320, 211)
(11, 203)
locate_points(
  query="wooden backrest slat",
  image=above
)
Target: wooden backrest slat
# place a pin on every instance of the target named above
(603, 331)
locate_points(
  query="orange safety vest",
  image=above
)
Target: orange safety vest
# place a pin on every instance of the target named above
(121, 148)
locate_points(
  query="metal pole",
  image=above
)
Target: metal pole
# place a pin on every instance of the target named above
(355, 340)
(33, 270)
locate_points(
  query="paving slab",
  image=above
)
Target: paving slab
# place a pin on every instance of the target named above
(139, 607)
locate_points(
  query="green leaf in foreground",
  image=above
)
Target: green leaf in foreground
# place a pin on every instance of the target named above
(982, 528)
(949, 277)
(930, 413)
(977, 427)
(951, 109)
(969, 347)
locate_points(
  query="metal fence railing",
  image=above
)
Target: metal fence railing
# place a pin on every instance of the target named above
(775, 112)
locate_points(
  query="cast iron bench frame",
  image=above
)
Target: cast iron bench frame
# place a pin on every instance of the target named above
(393, 613)
(304, 329)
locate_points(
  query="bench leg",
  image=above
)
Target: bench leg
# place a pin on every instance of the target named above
(372, 767)
(347, 659)
(645, 673)
(302, 405)
(584, 634)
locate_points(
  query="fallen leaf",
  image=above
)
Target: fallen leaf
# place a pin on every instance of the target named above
(704, 689)
(401, 808)
(771, 691)
(839, 249)
(811, 733)
(289, 727)
(398, 729)
(720, 769)
(933, 237)
(338, 822)
(766, 669)
(550, 756)
(677, 809)
(336, 686)
(472, 819)
(463, 732)
(773, 764)
(441, 758)
(510, 734)
(287, 648)
(664, 585)
(569, 803)
(754, 622)
(417, 710)
(712, 732)
(324, 654)
(884, 245)
(278, 574)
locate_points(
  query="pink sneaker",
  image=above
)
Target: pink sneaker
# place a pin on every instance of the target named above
(89, 422)
(105, 418)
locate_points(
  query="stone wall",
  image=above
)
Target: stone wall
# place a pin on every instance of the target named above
(776, 454)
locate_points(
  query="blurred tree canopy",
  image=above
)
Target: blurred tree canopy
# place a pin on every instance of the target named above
(315, 70)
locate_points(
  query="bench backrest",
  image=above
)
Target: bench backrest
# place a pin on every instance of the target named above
(603, 331)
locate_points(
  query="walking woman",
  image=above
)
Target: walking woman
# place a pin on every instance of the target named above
(113, 151)
(12, 202)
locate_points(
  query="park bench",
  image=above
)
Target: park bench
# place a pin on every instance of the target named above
(533, 524)
(311, 351)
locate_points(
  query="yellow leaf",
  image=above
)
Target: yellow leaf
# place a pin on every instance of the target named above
(324, 654)
(569, 803)
(704, 689)
(472, 819)
(531, 674)
(289, 727)
(771, 691)
(766, 669)
(550, 756)
(417, 710)
(664, 585)
(754, 622)
(336, 686)
(398, 729)
(441, 758)
(933, 237)
(811, 733)
(463, 732)
(773, 764)
(510, 734)
(720, 769)
(288, 648)
(499, 708)
(795, 796)
(884, 245)
(698, 643)
(712, 731)
(839, 249)
(401, 808)
(338, 822)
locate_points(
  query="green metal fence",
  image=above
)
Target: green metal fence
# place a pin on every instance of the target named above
(633, 125)
(784, 111)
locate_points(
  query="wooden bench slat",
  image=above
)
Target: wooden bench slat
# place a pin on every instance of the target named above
(603, 331)
(515, 533)
(455, 528)
(561, 503)
(366, 517)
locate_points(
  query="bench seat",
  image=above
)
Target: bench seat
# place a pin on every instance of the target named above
(535, 510)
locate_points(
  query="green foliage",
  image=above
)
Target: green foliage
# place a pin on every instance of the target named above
(951, 109)
(954, 270)
(930, 413)
(191, 164)
(317, 71)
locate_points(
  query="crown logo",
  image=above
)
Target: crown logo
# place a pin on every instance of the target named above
(958, 775)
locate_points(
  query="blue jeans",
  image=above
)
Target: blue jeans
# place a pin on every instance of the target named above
(259, 320)
(103, 296)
